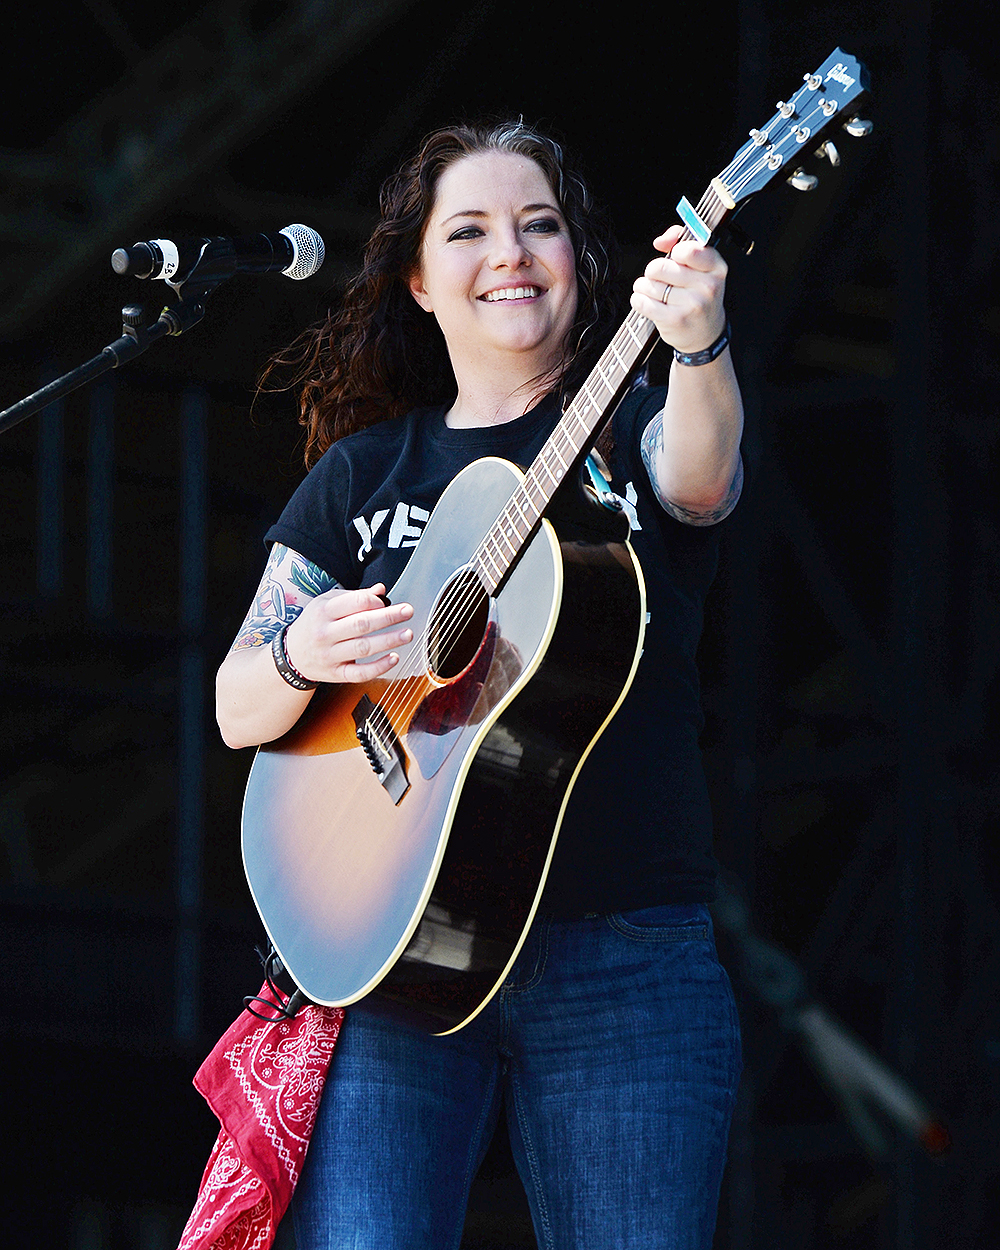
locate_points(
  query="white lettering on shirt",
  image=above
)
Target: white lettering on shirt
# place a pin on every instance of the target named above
(368, 533)
(401, 532)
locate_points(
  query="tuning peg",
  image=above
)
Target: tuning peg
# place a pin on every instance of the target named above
(857, 127)
(802, 181)
(828, 150)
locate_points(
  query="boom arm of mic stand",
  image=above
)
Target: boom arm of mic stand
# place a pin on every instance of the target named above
(134, 340)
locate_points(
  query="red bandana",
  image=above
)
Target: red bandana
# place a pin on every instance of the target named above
(263, 1081)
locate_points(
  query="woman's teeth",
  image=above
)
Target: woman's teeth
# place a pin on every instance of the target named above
(516, 292)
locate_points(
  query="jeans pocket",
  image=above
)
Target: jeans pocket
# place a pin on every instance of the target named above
(669, 922)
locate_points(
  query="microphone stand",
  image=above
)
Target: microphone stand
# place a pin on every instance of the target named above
(135, 338)
(215, 263)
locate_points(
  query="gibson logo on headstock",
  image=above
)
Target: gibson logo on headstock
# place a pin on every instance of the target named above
(839, 74)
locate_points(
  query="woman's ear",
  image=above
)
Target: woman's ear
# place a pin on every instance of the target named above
(419, 292)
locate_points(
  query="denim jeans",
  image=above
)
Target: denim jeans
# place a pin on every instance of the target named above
(613, 1048)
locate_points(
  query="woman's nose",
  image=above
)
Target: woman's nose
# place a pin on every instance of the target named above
(509, 251)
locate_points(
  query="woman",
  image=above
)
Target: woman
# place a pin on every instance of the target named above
(613, 1045)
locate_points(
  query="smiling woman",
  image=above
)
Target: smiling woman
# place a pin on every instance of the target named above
(608, 1036)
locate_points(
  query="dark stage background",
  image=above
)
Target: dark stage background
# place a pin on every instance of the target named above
(851, 651)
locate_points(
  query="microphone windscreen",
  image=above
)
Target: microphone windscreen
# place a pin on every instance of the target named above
(309, 251)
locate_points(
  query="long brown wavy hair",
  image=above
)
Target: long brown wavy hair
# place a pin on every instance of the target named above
(378, 354)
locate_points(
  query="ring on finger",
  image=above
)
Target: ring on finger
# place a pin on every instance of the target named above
(666, 294)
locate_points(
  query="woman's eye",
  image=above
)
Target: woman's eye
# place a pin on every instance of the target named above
(544, 225)
(466, 232)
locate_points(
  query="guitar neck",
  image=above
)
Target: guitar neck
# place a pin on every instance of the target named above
(578, 428)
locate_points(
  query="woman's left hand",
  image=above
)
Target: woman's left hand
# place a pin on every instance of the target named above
(682, 292)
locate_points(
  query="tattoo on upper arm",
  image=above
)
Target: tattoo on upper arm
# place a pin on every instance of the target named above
(709, 516)
(651, 445)
(289, 580)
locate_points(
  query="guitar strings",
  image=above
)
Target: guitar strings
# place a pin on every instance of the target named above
(398, 706)
(451, 625)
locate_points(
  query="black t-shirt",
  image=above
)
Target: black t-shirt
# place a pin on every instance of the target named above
(637, 830)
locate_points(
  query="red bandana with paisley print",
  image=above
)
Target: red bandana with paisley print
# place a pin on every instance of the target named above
(263, 1080)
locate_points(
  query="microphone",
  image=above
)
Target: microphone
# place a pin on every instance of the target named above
(297, 251)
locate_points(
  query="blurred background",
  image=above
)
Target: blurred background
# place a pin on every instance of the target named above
(850, 657)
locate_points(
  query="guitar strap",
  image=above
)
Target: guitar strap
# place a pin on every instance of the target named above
(286, 999)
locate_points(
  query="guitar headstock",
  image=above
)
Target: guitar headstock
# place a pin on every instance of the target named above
(802, 126)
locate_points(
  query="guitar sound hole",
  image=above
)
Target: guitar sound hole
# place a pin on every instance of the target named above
(457, 625)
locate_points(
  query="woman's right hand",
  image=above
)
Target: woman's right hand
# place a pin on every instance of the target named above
(333, 637)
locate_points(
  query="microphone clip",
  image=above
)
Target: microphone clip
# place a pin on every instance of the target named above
(196, 277)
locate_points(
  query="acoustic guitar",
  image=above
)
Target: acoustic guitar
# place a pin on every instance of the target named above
(396, 841)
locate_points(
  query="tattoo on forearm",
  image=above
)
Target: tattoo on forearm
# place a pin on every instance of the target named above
(289, 580)
(650, 446)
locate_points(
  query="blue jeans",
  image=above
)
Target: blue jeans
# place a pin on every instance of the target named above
(613, 1047)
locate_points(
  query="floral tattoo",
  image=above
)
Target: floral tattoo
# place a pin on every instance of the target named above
(289, 580)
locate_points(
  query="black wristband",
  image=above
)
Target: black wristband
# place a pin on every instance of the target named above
(708, 355)
(281, 663)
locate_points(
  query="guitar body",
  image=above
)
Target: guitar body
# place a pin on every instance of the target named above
(397, 840)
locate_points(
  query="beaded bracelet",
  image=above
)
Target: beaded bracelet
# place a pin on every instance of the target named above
(282, 664)
(708, 355)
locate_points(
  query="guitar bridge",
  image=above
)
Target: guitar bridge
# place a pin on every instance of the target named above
(379, 742)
